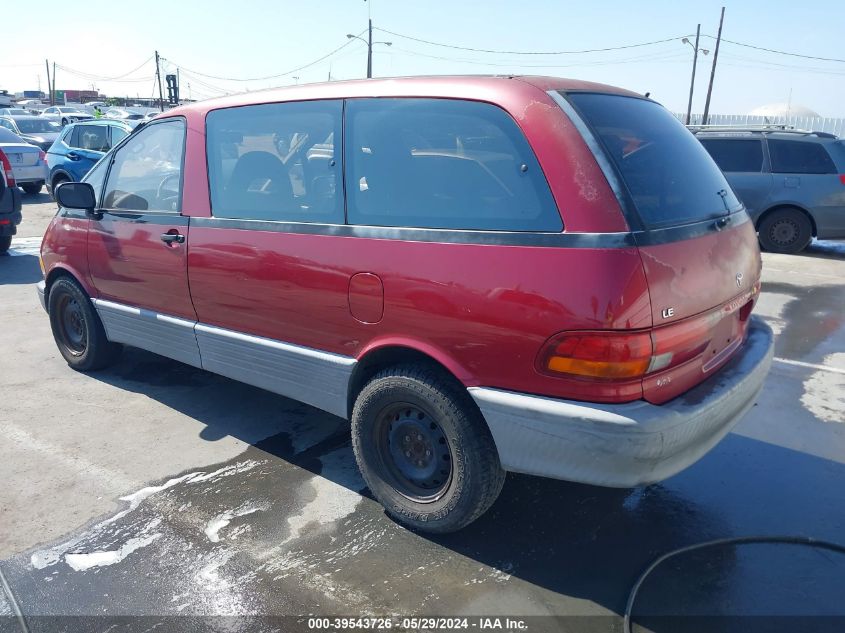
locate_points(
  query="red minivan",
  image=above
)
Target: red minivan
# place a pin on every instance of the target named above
(484, 274)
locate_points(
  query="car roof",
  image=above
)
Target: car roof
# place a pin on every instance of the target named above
(24, 117)
(97, 122)
(479, 87)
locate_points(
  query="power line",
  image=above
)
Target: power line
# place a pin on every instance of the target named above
(772, 50)
(276, 76)
(500, 52)
(100, 78)
(654, 57)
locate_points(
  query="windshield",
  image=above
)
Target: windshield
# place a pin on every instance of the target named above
(671, 178)
(68, 110)
(35, 126)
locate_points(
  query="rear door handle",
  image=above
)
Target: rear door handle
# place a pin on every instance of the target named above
(171, 238)
(73, 156)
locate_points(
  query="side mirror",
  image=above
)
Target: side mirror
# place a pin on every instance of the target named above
(76, 195)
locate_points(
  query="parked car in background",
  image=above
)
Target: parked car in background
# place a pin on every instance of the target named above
(66, 114)
(791, 182)
(33, 129)
(13, 111)
(483, 274)
(123, 114)
(10, 203)
(26, 161)
(80, 146)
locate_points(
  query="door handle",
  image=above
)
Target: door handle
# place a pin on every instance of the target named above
(171, 238)
(73, 156)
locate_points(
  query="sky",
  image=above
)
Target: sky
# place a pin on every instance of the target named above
(214, 42)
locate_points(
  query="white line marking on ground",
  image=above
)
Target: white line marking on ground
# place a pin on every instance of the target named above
(798, 363)
(25, 246)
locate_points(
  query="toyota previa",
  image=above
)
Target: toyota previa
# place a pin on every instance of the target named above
(482, 274)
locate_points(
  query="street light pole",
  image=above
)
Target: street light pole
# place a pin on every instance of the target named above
(694, 61)
(370, 51)
(369, 42)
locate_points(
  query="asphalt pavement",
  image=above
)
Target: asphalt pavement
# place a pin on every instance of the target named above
(156, 489)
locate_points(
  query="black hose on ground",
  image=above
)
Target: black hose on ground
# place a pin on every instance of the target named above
(739, 540)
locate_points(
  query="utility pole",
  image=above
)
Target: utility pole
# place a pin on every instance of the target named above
(713, 69)
(178, 86)
(55, 97)
(692, 80)
(49, 85)
(370, 50)
(158, 79)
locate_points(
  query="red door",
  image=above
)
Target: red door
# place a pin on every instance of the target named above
(137, 247)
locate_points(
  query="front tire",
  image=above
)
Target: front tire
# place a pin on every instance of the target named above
(77, 329)
(32, 188)
(56, 182)
(424, 449)
(787, 231)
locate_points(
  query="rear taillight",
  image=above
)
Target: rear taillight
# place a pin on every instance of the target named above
(42, 156)
(6, 166)
(597, 355)
(842, 178)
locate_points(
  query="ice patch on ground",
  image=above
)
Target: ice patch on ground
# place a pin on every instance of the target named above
(212, 529)
(51, 556)
(336, 492)
(83, 561)
(824, 391)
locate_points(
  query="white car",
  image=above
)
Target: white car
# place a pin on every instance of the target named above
(28, 162)
(66, 114)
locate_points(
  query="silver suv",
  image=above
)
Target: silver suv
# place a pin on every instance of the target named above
(792, 182)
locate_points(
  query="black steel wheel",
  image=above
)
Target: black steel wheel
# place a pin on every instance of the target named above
(77, 329)
(785, 231)
(424, 449)
(414, 452)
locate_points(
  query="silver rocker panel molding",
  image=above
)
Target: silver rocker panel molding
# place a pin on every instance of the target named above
(318, 378)
(314, 377)
(155, 332)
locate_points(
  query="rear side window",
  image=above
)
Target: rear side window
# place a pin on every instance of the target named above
(740, 155)
(798, 157)
(92, 137)
(440, 163)
(276, 161)
(117, 135)
(670, 176)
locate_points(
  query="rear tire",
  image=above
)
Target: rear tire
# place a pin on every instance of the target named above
(424, 449)
(5, 243)
(56, 182)
(786, 231)
(32, 188)
(77, 329)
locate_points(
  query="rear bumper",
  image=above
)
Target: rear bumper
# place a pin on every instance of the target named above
(10, 210)
(35, 173)
(630, 444)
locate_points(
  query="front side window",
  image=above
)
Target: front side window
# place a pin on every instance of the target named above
(96, 177)
(799, 157)
(740, 155)
(277, 161)
(442, 163)
(670, 176)
(6, 123)
(92, 137)
(146, 172)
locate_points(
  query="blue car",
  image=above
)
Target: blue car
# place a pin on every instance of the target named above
(80, 146)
